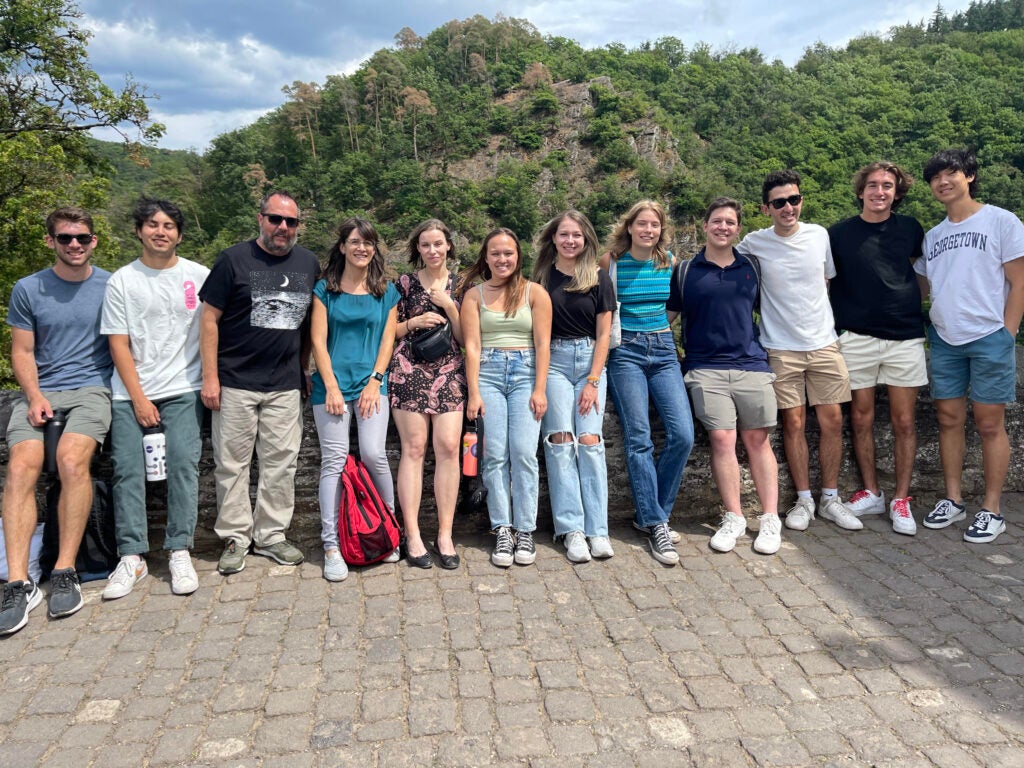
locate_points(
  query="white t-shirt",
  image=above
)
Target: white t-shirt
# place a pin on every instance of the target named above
(159, 311)
(963, 262)
(796, 315)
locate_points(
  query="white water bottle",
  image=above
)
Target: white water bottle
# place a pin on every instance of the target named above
(154, 447)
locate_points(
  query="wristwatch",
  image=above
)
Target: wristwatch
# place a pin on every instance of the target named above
(378, 376)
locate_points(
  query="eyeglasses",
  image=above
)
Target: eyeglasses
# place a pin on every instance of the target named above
(275, 220)
(779, 203)
(82, 239)
(361, 244)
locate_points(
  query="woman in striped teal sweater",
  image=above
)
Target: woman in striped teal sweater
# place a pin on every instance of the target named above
(645, 367)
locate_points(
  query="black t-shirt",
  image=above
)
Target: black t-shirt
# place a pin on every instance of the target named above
(265, 301)
(574, 315)
(875, 291)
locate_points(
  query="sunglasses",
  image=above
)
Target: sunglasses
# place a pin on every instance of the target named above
(275, 220)
(779, 203)
(82, 239)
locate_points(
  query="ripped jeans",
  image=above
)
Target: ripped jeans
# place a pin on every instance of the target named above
(577, 475)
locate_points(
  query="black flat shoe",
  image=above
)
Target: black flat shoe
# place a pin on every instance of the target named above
(448, 562)
(421, 561)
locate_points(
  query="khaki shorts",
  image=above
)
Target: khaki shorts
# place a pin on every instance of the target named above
(88, 414)
(817, 377)
(872, 361)
(723, 398)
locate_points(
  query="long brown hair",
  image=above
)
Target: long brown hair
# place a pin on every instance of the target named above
(516, 286)
(376, 272)
(621, 241)
(412, 247)
(585, 268)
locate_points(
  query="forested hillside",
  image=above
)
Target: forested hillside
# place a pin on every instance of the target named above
(487, 121)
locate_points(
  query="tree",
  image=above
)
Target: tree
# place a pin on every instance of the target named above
(416, 102)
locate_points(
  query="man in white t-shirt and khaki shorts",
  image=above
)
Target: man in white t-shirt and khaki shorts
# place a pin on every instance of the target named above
(798, 331)
(974, 270)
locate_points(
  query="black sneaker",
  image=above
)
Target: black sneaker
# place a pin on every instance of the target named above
(673, 534)
(661, 544)
(503, 546)
(65, 594)
(19, 597)
(526, 553)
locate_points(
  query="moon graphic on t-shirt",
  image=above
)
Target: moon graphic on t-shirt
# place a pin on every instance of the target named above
(285, 283)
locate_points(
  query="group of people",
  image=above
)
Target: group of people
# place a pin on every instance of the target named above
(791, 316)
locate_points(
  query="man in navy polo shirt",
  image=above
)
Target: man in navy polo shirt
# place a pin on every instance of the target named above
(726, 371)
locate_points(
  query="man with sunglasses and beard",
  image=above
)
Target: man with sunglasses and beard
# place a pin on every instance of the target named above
(61, 363)
(254, 339)
(798, 331)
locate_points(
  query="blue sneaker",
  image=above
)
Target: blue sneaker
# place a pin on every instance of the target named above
(985, 528)
(946, 513)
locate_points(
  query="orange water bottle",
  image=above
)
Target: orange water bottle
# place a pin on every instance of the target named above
(469, 451)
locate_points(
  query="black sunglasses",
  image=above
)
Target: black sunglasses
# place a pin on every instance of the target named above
(275, 219)
(779, 203)
(82, 239)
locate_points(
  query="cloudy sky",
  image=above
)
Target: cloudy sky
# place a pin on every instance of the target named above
(217, 65)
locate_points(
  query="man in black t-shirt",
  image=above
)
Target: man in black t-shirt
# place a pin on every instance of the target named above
(877, 306)
(252, 338)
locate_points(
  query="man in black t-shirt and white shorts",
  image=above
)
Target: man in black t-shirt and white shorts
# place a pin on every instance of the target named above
(877, 306)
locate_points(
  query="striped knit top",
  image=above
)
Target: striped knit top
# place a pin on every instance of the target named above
(642, 290)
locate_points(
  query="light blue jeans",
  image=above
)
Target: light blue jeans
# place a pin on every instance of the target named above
(333, 432)
(509, 466)
(181, 417)
(646, 367)
(577, 475)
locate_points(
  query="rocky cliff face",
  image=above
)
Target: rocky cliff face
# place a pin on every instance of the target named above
(698, 499)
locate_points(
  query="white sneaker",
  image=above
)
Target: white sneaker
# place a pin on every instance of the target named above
(129, 570)
(731, 528)
(576, 549)
(901, 516)
(183, 576)
(769, 539)
(800, 515)
(335, 567)
(832, 508)
(601, 547)
(394, 557)
(864, 502)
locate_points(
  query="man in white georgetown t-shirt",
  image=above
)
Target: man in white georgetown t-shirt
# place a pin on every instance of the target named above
(151, 317)
(973, 268)
(798, 331)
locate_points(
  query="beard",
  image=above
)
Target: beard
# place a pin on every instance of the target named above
(270, 246)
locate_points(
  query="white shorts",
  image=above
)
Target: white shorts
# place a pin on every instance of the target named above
(872, 361)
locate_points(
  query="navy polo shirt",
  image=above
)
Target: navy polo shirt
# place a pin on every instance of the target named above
(718, 307)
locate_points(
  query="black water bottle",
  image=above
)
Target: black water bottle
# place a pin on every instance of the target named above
(52, 431)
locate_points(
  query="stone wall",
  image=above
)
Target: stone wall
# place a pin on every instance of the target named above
(697, 499)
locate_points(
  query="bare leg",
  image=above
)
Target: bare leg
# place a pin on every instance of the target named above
(830, 446)
(74, 452)
(763, 468)
(952, 416)
(794, 441)
(862, 419)
(995, 450)
(413, 429)
(447, 441)
(20, 513)
(725, 468)
(902, 402)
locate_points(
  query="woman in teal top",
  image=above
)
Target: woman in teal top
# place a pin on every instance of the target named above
(645, 367)
(353, 334)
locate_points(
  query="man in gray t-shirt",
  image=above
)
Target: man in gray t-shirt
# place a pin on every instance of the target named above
(61, 363)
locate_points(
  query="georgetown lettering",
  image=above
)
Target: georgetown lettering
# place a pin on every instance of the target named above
(976, 240)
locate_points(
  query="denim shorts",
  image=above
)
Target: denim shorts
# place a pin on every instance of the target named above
(986, 368)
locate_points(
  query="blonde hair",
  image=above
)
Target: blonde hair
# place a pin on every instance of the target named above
(585, 269)
(621, 241)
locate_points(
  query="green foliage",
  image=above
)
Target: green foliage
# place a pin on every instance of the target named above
(511, 199)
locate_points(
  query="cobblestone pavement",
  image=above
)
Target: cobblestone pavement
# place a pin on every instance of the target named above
(844, 649)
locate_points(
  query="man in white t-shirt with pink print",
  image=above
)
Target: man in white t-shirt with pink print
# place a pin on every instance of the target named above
(973, 268)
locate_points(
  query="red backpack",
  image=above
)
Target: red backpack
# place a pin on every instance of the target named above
(367, 528)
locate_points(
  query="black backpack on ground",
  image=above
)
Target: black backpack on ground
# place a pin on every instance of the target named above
(97, 554)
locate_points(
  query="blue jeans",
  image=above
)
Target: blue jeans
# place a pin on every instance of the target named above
(181, 417)
(509, 465)
(645, 366)
(577, 475)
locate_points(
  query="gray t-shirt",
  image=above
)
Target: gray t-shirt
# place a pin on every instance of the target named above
(65, 318)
